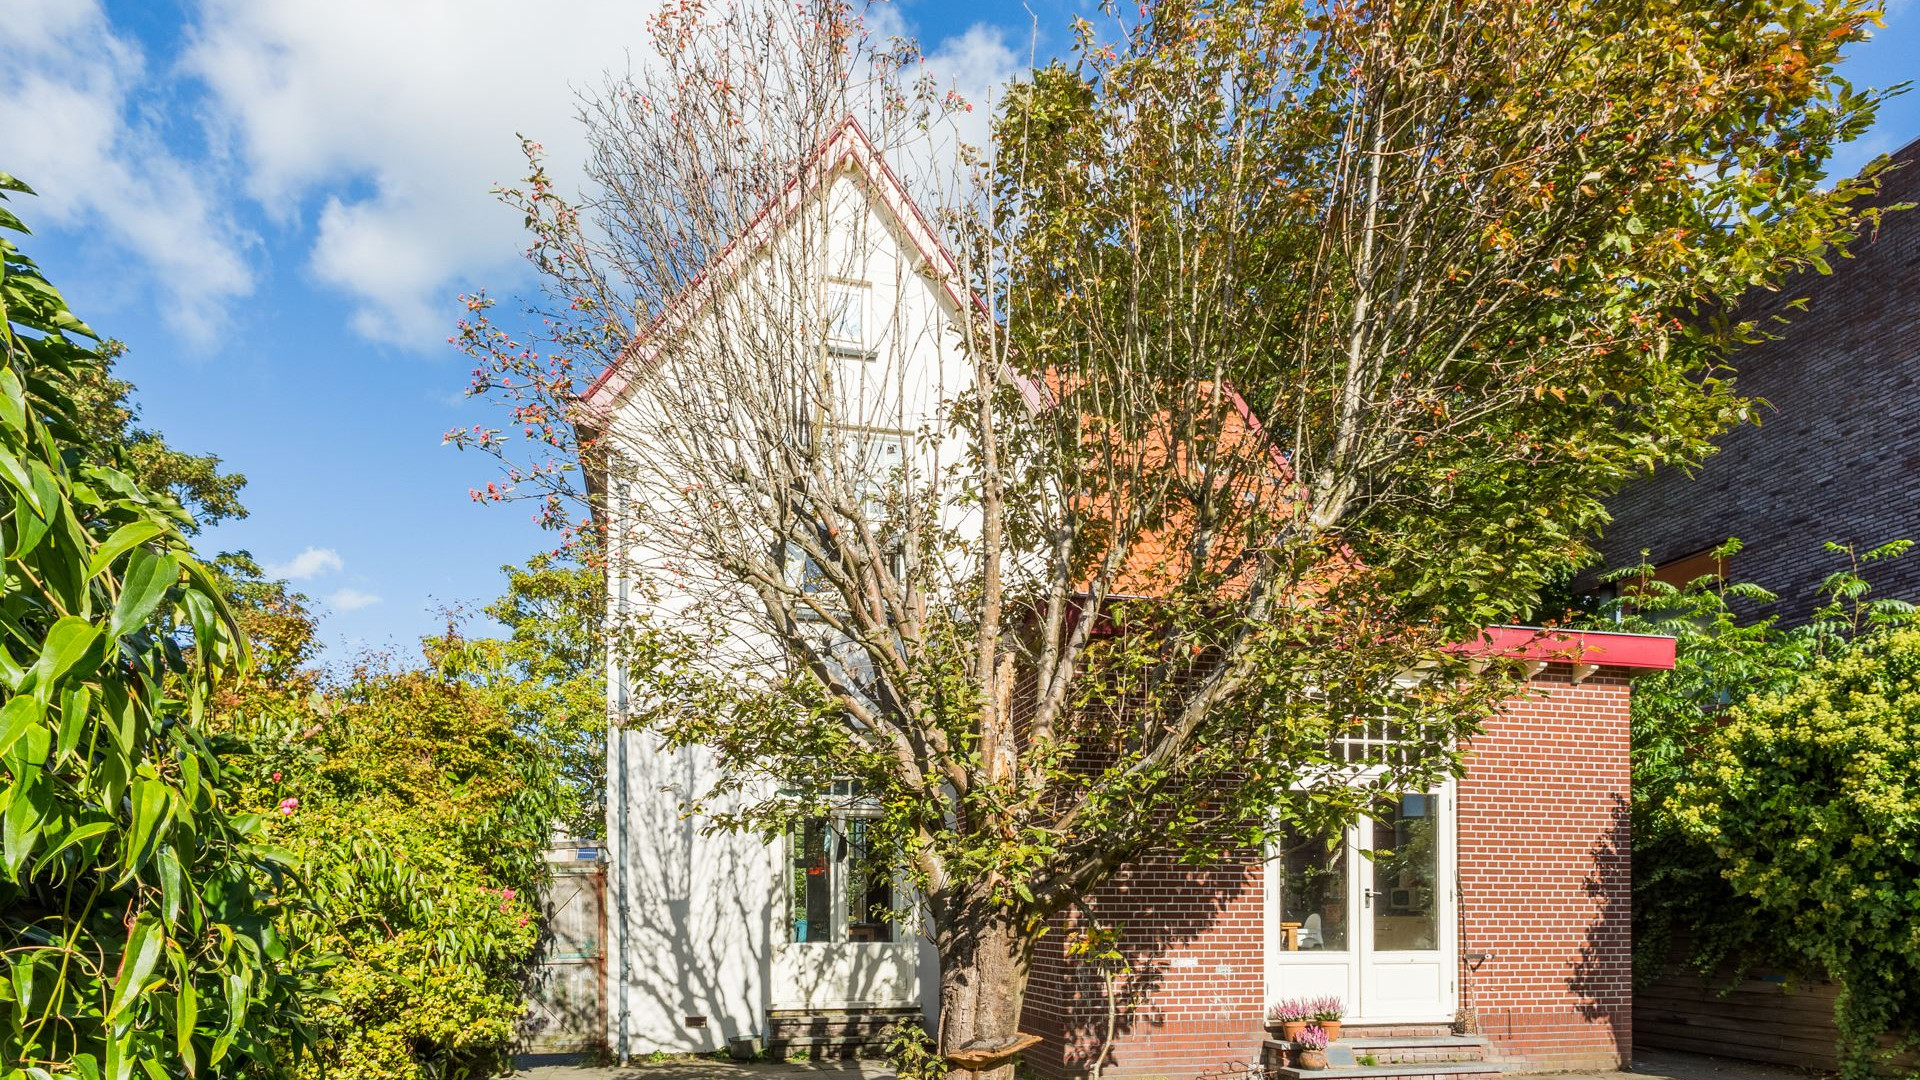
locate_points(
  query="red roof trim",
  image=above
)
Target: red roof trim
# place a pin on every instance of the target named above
(1652, 652)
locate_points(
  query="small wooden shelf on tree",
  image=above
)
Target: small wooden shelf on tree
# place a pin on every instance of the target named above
(981, 1058)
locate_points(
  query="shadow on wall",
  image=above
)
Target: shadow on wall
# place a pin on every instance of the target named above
(1603, 977)
(694, 978)
(1159, 908)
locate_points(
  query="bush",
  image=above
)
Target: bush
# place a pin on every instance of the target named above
(1809, 798)
(420, 818)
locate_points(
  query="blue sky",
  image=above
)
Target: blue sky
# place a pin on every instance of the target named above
(275, 202)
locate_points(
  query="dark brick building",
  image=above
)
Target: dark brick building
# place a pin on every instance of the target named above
(1837, 455)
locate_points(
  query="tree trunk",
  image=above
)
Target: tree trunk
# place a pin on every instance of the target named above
(984, 955)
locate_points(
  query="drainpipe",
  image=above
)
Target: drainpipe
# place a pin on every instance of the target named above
(621, 868)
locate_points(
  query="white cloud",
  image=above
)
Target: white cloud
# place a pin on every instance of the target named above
(310, 563)
(73, 101)
(351, 600)
(397, 116)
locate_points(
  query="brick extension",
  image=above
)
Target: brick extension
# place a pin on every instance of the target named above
(1544, 881)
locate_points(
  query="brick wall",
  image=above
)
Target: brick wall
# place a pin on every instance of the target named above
(1837, 456)
(1545, 875)
(1195, 998)
(1544, 882)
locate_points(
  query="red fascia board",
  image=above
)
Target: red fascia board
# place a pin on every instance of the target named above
(1651, 652)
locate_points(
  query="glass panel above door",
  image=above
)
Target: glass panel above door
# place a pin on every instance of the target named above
(1405, 897)
(1313, 889)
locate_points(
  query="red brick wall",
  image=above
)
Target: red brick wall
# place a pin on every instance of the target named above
(1545, 875)
(1194, 1000)
(1544, 882)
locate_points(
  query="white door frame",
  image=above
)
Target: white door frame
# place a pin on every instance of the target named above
(1374, 984)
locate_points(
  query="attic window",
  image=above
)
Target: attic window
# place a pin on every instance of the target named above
(847, 304)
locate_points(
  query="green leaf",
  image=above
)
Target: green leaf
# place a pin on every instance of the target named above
(151, 802)
(236, 994)
(13, 401)
(125, 538)
(66, 643)
(144, 943)
(75, 705)
(26, 813)
(148, 579)
(16, 717)
(186, 1015)
(80, 834)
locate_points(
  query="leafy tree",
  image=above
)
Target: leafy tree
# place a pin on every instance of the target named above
(138, 906)
(549, 674)
(1475, 264)
(1699, 825)
(1806, 798)
(418, 817)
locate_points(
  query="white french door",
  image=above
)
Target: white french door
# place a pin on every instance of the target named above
(842, 941)
(1368, 915)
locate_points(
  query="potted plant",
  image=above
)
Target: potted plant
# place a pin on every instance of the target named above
(1327, 1012)
(1310, 1049)
(1290, 1015)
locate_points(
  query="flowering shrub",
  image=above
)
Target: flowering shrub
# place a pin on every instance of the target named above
(419, 819)
(1287, 1011)
(1325, 1008)
(1314, 1038)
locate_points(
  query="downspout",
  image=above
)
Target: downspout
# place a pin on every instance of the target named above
(617, 733)
(622, 865)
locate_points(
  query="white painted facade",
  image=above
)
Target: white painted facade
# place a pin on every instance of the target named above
(701, 926)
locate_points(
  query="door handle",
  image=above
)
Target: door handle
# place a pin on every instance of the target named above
(1367, 894)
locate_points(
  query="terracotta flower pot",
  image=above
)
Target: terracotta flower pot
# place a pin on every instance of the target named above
(1332, 1028)
(1310, 1059)
(1290, 1029)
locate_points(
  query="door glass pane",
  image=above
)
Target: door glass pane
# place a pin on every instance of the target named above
(810, 881)
(1313, 889)
(1406, 909)
(869, 887)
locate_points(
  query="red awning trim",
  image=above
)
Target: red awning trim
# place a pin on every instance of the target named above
(1596, 647)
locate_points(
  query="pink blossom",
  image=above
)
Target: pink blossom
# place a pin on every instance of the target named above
(506, 894)
(276, 776)
(289, 805)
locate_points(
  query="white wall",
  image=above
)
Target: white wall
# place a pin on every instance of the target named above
(694, 918)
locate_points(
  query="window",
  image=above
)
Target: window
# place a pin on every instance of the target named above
(1313, 889)
(847, 317)
(1405, 904)
(839, 889)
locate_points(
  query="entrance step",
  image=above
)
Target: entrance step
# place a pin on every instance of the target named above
(1471, 1070)
(833, 1034)
(1391, 1057)
(1418, 1049)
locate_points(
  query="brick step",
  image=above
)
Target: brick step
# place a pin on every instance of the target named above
(796, 1027)
(1351, 1031)
(1416, 1049)
(832, 1034)
(1437, 1070)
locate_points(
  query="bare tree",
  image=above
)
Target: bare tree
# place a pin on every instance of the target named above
(965, 504)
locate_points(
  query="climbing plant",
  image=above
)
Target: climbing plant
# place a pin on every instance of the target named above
(135, 906)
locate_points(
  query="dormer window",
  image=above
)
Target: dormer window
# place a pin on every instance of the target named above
(847, 304)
